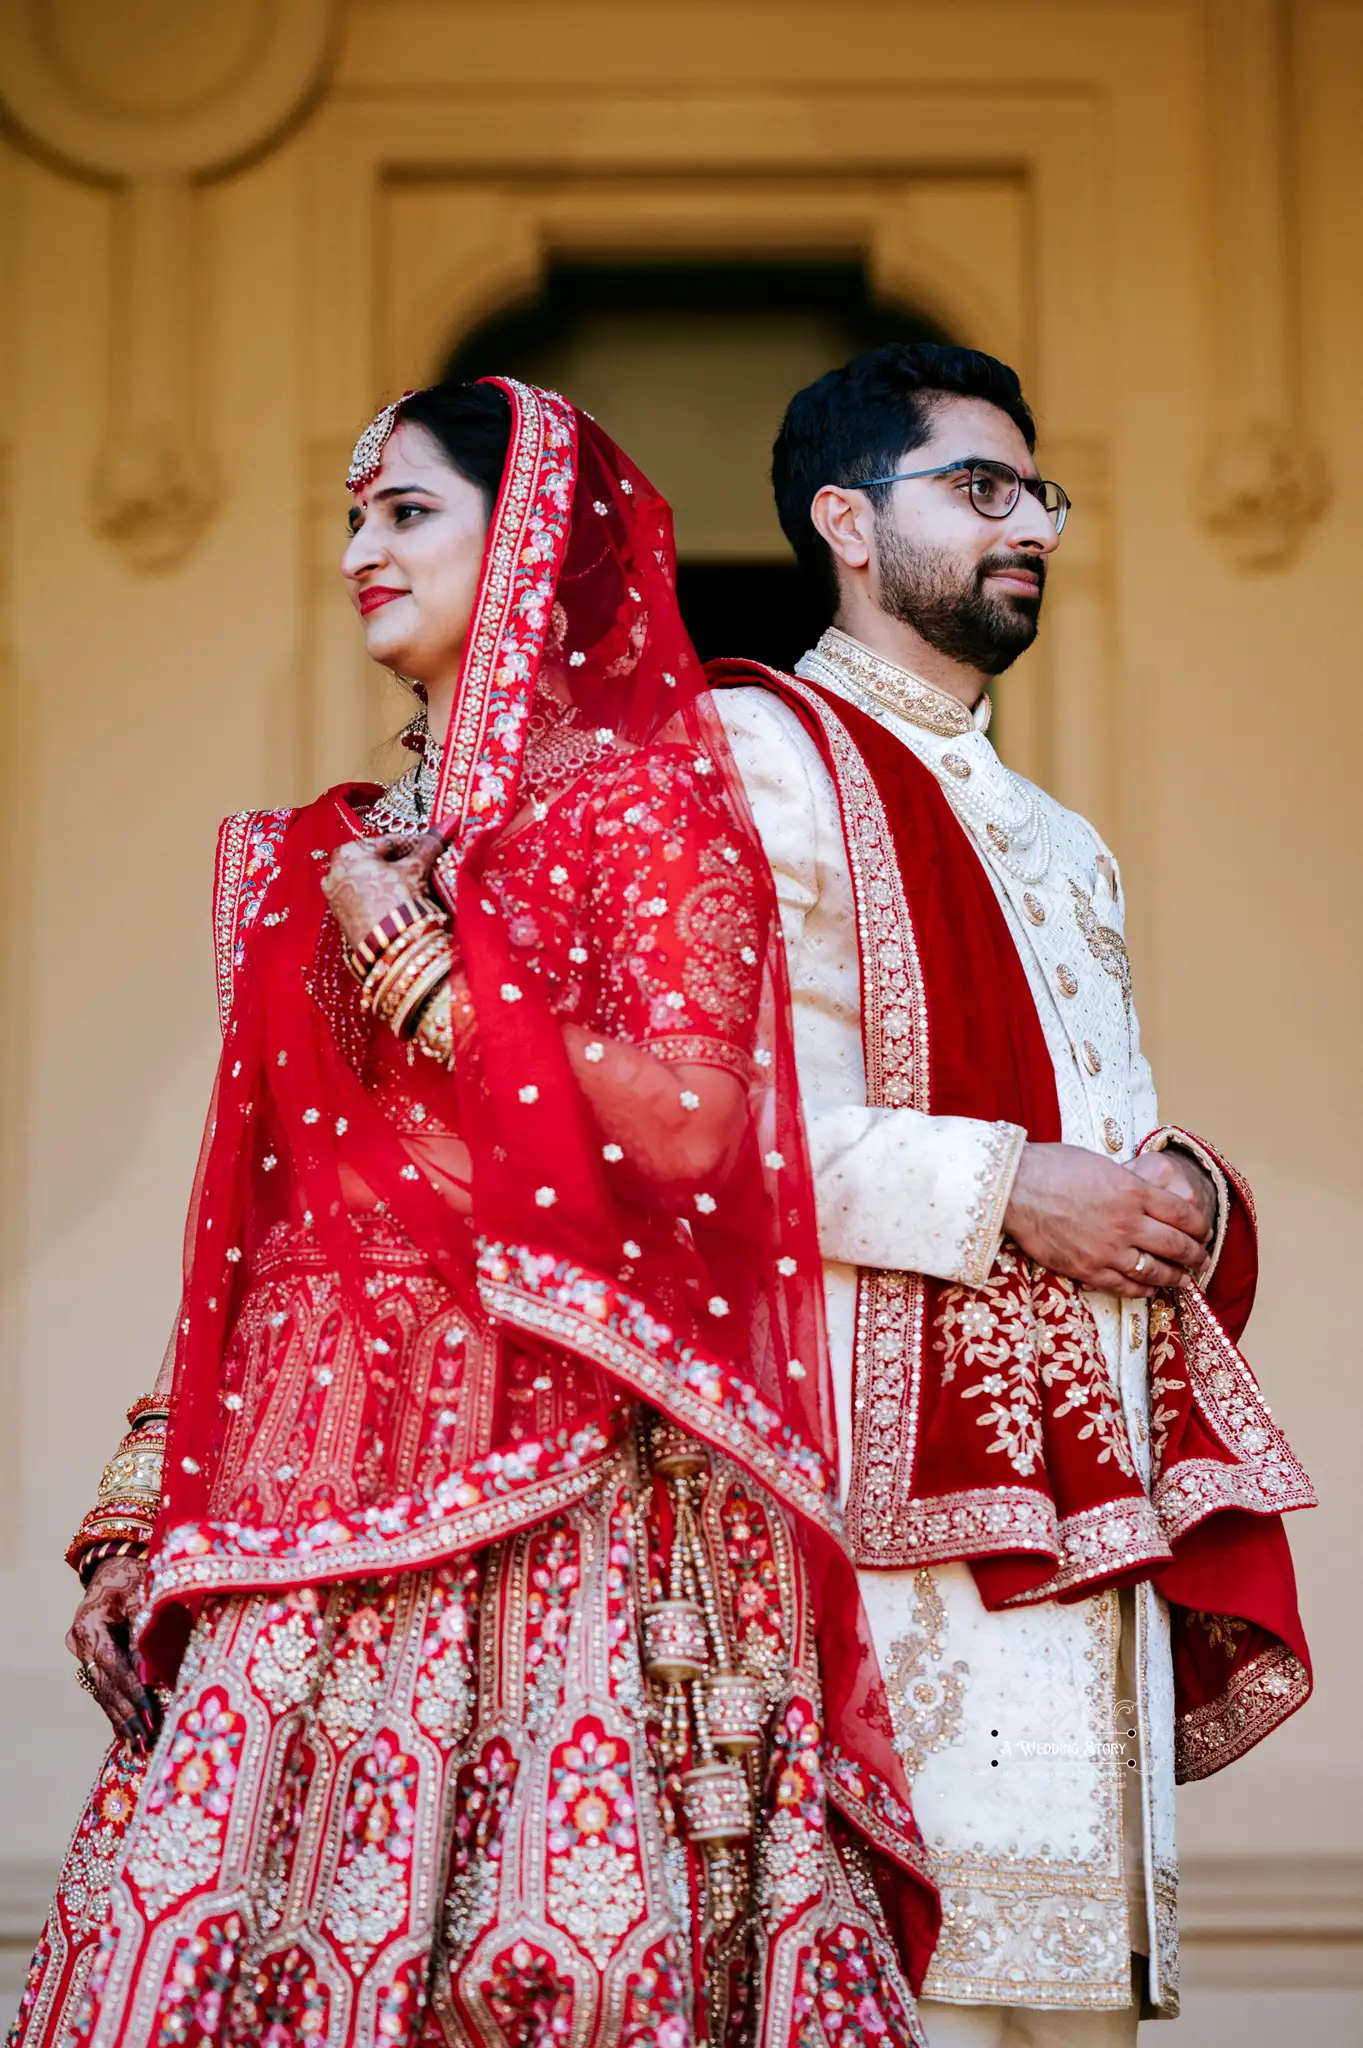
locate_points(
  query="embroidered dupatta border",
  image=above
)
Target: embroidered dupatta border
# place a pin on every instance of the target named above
(528, 534)
(229, 869)
(550, 1299)
(241, 835)
(481, 1504)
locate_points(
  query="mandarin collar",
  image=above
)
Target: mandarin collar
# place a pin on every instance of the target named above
(841, 661)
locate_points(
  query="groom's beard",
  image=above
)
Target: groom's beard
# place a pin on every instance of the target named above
(949, 602)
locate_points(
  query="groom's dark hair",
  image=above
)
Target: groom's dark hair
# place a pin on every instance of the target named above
(863, 419)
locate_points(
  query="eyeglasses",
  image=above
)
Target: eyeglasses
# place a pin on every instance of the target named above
(995, 487)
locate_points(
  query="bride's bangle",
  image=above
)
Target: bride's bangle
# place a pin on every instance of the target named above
(396, 989)
(448, 1022)
(415, 912)
(129, 1492)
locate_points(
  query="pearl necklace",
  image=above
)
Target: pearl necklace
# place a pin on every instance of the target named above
(1009, 823)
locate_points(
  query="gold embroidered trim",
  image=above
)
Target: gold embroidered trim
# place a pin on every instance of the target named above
(1057, 1938)
(231, 866)
(1116, 1536)
(975, 1522)
(1171, 1138)
(1049, 1927)
(1265, 1477)
(464, 1529)
(1164, 1991)
(838, 659)
(1253, 1704)
(885, 1391)
(889, 1331)
(994, 1179)
(684, 1048)
(580, 1333)
(464, 740)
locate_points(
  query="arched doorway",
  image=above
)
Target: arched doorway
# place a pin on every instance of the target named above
(690, 365)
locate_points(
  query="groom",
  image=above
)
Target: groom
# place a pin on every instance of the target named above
(1061, 1484)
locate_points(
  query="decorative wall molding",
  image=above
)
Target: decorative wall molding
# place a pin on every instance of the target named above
(1272, 1922)
(1077, 742)
(156, 102)
(1263, 484)
(154, 487)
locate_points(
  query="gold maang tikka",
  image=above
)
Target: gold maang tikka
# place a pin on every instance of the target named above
(368, 451)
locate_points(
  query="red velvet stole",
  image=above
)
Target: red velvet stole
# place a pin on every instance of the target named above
(1210, 1535)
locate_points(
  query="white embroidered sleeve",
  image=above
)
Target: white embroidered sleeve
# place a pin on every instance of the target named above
(912, 1193)
(896, 1189)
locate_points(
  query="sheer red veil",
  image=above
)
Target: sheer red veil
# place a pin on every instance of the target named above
(709, 1308)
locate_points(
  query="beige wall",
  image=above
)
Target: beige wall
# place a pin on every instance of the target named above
(1089, 187)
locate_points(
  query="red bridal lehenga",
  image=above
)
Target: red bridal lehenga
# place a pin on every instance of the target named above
(516, 1684)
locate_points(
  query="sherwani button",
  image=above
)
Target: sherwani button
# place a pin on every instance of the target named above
(1112, 1134)
(1034, 907)
(1091, 1057)
(957, 765)
(1069, 986)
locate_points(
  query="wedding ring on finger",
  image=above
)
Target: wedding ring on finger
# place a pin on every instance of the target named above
(1138, 1270)
(87, 1679)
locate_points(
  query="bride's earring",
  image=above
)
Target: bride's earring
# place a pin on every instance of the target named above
(413, 734)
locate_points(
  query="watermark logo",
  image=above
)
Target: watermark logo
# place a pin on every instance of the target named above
(1120, 1745)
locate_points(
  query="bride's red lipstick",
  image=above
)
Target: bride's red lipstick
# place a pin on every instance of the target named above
(371, 599)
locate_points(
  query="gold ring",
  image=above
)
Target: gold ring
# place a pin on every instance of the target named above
(1139, 1267)
(85, 1679)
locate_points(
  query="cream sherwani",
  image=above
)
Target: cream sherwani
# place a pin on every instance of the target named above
(1040, 1740)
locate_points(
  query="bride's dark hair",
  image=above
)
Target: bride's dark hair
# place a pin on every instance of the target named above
(472, 423)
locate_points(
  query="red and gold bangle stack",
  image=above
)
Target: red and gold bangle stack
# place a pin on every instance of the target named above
(408, 973)
(129, 1493)
(415, 911)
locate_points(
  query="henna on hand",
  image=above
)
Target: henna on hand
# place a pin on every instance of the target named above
(369, 877)
(99, 1638)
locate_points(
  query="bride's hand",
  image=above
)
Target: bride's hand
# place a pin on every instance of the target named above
(98, 1639)
(369, 877)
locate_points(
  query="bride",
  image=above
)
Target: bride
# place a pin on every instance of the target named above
(467, 1598)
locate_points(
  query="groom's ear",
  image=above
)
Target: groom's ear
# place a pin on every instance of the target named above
(845, 519)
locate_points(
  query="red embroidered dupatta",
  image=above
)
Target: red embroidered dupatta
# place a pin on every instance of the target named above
(708, 1308)
(950, 1027)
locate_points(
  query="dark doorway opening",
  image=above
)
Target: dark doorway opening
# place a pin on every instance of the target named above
(766, 610)
(719, 348)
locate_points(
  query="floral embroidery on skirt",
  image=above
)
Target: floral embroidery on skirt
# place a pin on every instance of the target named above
(436, 1809)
